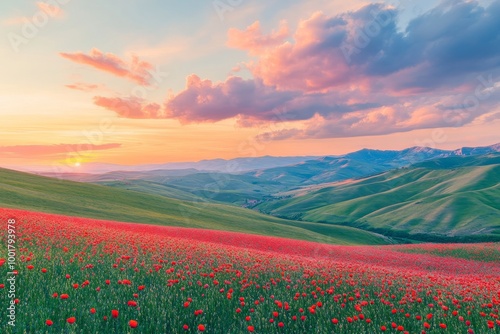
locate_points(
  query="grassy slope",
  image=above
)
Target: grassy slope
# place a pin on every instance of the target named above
(152, 188)
(212, 187)
(32, 192)
(452, 202)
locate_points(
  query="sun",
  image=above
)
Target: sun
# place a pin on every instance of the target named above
(77, 164)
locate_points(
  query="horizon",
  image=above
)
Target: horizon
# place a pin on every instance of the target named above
(216, 84)
(80, 168)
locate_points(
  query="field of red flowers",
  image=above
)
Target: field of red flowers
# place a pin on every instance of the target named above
(78, 275)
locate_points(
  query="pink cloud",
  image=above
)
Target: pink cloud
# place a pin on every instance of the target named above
(51, 10)
(205, 101)
(324, 81)
(302, 64)
(376, 121)
(50, 150)
(130, 107)
(84, 86)
(253, 40)
(135, 70)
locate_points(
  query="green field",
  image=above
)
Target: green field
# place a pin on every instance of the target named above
(37, 193)
(437, 199)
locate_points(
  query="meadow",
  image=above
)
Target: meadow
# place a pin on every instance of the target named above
(80, 275)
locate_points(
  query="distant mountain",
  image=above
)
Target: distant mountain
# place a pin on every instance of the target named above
(221, 165)
(359, 164)
(437, 200)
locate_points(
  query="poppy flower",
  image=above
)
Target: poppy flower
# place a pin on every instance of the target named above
(132, 323)
(64, 296)
(201, 328)
(71, 320)
(114, 313)
(49, 322)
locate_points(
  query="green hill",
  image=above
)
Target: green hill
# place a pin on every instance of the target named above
(38, 193)
(436, 200)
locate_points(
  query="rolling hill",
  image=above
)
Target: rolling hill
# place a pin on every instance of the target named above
(38, 193)
(442, 199)
(276, 175)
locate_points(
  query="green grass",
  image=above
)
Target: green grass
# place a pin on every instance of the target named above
(151, 188)
(445, 202)
(484, 252)
(36, 193)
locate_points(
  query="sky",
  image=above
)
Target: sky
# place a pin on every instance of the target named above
(139, 82)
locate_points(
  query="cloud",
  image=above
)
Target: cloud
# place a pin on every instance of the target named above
(383, 120)
(440, 48)
(50, 150)
(350, 74)
(204, 101)
(135, 70)
(254, 40)
(250, 101)
(129, 107)
(51, 10)
(84, 86)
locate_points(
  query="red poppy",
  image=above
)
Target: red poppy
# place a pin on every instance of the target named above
(133, 323)
(114, 313)
(49, 322)
(201, 328)
(71, 320)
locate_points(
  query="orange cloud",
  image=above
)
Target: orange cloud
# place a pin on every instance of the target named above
(51, 150)
(135, 70)
(51, 10)
(253, 40)
(129, 108)
(84, 86)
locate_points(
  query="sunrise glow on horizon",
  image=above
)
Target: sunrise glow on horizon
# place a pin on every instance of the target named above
(140, 83)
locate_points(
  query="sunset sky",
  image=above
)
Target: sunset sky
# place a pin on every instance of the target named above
(133, 82)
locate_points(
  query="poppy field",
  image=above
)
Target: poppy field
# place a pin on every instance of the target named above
(78, 275)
